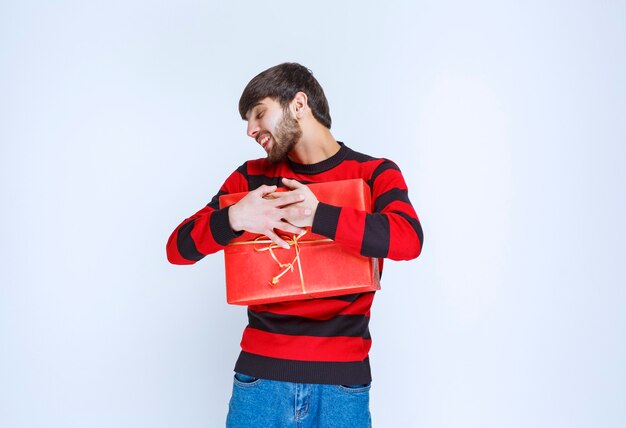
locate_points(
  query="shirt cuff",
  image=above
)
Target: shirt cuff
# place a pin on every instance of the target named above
(220, 227)
(326, 220)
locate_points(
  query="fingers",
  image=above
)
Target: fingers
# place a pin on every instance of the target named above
(296, 215)
(290, 228)
(282, 199)
(284, 227)
(267, 210)
(292, 184)
(265, 189)
(277, 239)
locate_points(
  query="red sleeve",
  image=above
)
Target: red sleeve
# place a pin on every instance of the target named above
(208, 230)
(392, 230)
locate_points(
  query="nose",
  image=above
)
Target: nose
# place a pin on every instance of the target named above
(253, 129)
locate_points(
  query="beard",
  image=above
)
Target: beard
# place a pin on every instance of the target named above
(286, 136)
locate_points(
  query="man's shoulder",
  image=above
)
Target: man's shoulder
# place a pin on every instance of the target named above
(365, 159)
(358, 156)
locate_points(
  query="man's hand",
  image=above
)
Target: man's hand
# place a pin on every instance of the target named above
(300, 213)
(263, 210)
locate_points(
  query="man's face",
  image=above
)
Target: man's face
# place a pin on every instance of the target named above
(274, 128)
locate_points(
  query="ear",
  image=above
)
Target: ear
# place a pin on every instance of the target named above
(299, 104)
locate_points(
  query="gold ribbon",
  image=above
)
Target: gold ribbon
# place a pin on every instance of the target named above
(287, 267)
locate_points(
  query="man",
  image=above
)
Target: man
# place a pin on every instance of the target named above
(303, 363)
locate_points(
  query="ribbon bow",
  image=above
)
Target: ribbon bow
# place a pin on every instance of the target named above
(286, 267)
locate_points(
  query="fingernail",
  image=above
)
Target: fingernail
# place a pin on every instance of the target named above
(307, 212)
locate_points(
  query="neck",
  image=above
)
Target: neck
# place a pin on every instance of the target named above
(316, 145)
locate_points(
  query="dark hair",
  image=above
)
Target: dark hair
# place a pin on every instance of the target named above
(282, 82)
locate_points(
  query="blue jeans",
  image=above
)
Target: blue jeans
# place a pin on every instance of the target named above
(272, 404)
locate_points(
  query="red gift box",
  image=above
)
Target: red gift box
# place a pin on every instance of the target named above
(258, 271)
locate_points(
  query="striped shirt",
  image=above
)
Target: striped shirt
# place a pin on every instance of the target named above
(323, 340)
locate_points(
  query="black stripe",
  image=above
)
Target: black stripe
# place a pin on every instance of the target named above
(220, 227)
(390, 196)
(385, 166)
(347, 297)
(337, 373)
(186, 246)
(215, 202)
(376, 236)
(415, 224)
(359, 157)
(340, 325)
(243, 170)
(326, 219)
(256, 181)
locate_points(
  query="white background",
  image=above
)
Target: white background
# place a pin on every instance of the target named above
(118, 119)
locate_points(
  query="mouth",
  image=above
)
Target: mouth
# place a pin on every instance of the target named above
(264, 141)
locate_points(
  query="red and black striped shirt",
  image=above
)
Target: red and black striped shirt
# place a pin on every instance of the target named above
(322, 340)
